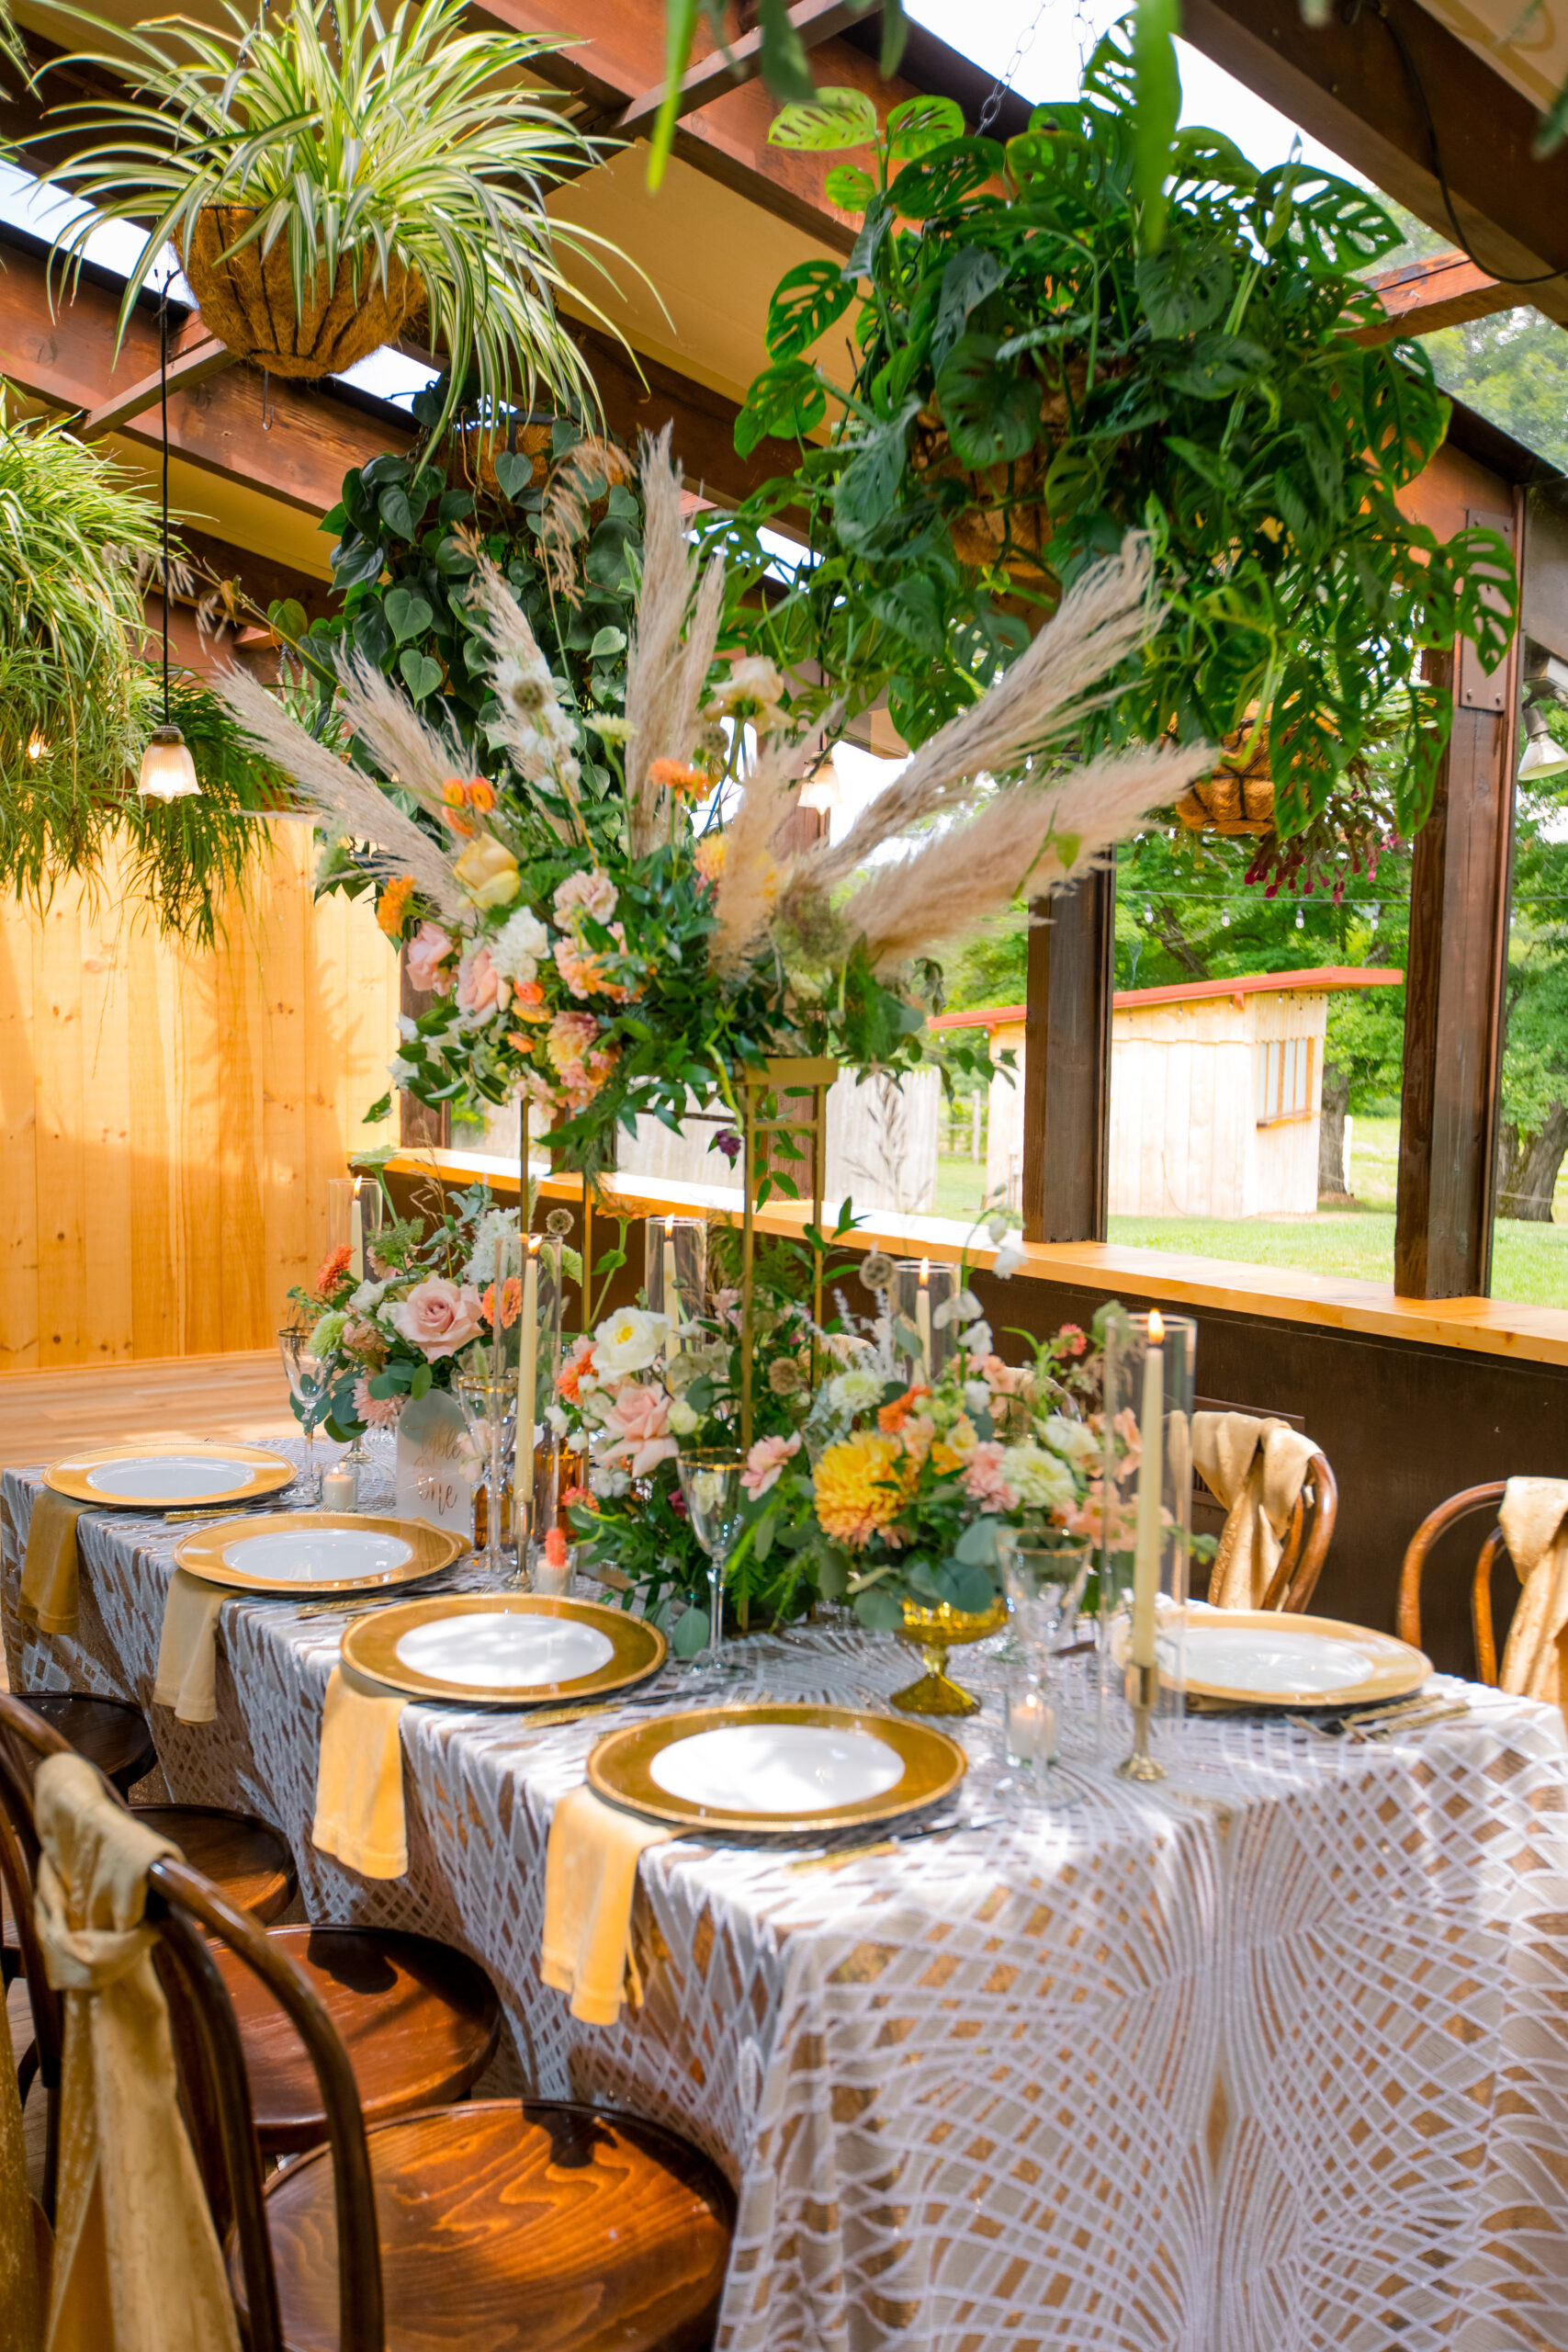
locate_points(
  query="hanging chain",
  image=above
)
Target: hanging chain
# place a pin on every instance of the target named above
(1025, 43)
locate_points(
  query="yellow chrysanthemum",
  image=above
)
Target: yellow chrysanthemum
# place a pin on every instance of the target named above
(857, 1487)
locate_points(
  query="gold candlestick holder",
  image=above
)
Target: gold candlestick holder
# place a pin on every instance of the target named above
(1143, 1693)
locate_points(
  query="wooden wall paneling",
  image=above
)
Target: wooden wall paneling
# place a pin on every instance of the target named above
(325, 1150)
(152, 1056)
(241, 1015)
(57, 1081)
(1459, 944)
(200, 1142)
(1067, 1070)
(106, 1122)
(19, 1122)
(280, 925)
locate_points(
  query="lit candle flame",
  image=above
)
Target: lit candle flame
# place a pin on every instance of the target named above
(925, 1274)
(1157, 1327)
(669, 1228)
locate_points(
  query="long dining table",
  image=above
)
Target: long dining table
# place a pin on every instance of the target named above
(1268, 2056)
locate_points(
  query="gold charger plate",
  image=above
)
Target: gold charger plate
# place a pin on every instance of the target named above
(1398, 1669)
(620, 1768)
(266, 1469)
(206, 1555)
(637, 1648)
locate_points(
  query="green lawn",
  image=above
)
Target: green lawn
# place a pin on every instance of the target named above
(1529, 1261)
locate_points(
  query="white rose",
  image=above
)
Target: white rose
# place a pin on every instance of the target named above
(607, 1483)
(515, 950)
(855, 1392)
(682, 1418)
(368, 1295)
(629, 1341)
(1074, 1439)
(1041, 1481)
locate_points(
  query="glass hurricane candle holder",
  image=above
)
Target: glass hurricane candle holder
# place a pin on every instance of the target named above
(535, 1351)
(1147, 1533)
(1044, 1577)
(354, 1212)
(490, 1409)
(675, 1266)
(921, 1287)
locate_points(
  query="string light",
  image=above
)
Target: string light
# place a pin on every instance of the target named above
(37, 746)
(168, 771)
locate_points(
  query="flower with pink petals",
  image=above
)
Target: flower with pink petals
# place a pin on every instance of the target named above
(376, 1412)
(638, 1421)
(568, 1041)
(480, 987)
(983, 1478)
(439, 1317)
(594, 892)
(426, 955)
(765, 1463)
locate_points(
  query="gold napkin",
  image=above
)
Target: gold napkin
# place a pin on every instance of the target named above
(591, 1869)
(1257, 1469)
(51, 1571)
(359, 1784)
(187, 1649)
(137, 2264)
(1533, 1516)
(21, 2301)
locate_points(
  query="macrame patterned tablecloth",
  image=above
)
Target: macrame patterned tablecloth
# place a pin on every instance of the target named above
(1270, 2058)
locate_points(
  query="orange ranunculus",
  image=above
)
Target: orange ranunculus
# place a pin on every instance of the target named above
(481, 795)
(394, 904)
(680, 778)
(892, 1418)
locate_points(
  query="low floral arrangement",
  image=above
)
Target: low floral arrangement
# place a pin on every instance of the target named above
(619, 928)
(863, 1483)
(426, 1302)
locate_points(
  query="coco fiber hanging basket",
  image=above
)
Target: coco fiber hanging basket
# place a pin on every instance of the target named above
(249, 303)
(1239, 796)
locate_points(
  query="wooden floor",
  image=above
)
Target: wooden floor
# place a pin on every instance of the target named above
(47, 1413)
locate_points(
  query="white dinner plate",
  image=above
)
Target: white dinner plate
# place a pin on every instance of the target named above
(141, 1478)
(489, 1650)
(1264, 1658)
(316, 1552)
(778, 1768)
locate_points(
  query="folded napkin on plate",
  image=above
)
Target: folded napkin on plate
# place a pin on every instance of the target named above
(1257, 1469)
(51, 1570)
(1534, 1519)
(188, 1648)
(359, 1782)
(590, 1879)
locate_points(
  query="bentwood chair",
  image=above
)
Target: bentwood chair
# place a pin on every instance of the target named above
(504, 2223)
(1311, 1532)
(419, 2020)
(1418, 1552)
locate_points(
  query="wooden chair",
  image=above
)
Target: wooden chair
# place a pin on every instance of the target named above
(1310, 1531)
(504, 2223)
(420, 2021)
(1416, 1552)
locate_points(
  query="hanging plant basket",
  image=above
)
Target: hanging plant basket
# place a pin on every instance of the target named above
(249, 303)
(1238, 797)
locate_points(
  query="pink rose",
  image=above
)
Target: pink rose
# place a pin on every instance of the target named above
(638, 1420)
(427, 951)
(766, 1461)
(480, 987)
(983, 1478)
(439, 1317)
(594, 892)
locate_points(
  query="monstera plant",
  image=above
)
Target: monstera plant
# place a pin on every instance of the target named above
(1047, 350)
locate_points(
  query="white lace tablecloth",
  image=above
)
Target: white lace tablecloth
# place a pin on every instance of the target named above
(1272, 2057)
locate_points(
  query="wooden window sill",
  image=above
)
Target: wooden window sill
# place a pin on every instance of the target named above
(1479, 1326)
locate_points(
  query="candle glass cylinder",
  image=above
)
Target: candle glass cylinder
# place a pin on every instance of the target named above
(675, 1266)
(536, 1470)
(1045, 1578)
(490, 1409)
(344, 1194)
(1149, 1362)
(921, 1287)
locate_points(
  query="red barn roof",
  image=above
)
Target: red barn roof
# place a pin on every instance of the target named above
(1317, 979)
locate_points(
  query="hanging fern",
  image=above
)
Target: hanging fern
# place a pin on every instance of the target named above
(77, 702)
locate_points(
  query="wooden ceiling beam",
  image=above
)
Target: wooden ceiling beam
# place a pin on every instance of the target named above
(1345, 83)
(815, 21)
(196, 355)
(1422, 296)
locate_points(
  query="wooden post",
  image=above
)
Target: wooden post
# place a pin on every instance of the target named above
(1459, 886)
(417, 1124)
(1067, 1064)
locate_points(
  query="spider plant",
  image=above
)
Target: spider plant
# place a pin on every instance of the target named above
(366, 144)
(76, 703)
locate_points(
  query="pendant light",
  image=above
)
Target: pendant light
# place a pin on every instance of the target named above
(168, 771)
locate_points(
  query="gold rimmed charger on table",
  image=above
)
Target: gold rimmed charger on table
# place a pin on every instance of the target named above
(261, 1471)
(1296, 1658)
(628, 1768)
(628, 1649)
(409, 1549)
